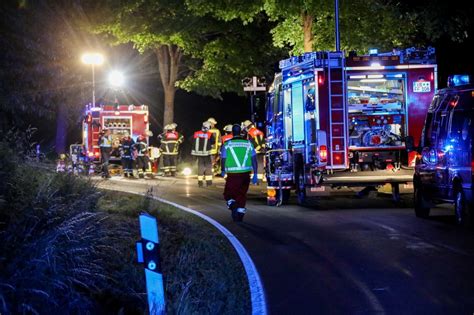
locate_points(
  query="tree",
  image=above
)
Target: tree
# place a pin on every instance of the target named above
(194, 52)
(40, 81)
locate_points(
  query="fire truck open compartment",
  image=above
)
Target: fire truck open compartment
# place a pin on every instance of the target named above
(376, 110)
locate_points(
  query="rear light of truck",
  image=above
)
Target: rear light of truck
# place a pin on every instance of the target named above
(323, 154)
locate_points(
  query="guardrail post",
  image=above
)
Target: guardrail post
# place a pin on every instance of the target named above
(148, 253)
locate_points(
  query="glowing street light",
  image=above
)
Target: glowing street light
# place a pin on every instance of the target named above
(116, 79)
(93, 59)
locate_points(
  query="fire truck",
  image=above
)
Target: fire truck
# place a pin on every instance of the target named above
(119, 119)
(335, 120)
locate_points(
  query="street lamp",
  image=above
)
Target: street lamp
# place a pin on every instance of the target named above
(93, 59)
(116, 81)
(253, 84)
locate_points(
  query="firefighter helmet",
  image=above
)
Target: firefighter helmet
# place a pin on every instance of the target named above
(168, 127)
(173, 125)
(206, 126)
(227, 128)
(212, 121)
(246, 124)
(149, 133)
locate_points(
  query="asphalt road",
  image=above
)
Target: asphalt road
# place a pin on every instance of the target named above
(347, 256)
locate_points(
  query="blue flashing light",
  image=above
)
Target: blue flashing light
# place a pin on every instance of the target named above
(458, 80)
(373, 51)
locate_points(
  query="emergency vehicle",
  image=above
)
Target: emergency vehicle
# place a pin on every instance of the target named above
(335, 121)
(445, 167)
(119, 119)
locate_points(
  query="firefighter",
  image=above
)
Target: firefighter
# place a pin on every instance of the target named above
(105, 144)
(142, 155)
(126, 154)
(202, 144)
(169, 147)
(257, 138)
(227, 133)
(238, 159)
(216, 146)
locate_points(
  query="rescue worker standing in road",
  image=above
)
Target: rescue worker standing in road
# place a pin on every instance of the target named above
(257, 138)
(169, 147)
(216, 147)
(227, 133)
(105, 144)
(202, 144)
(238, 159)
(142, 155)
(126, 154)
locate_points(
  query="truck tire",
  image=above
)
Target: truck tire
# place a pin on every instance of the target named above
(462, 209)
(421, 208)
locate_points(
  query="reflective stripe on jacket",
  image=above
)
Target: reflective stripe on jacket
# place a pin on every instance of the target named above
(170, 142)
(217, 135)
(257, 138)
(105, 142)
(238, 154)
(227, 137)
(203, 142)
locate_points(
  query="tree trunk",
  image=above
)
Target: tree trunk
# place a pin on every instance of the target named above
(169, 58)
(307, 31)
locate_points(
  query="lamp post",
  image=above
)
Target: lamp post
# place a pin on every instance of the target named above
(253, 84)
(93, 59)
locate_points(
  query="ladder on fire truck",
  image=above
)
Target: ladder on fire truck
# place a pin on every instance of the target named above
(338, 133)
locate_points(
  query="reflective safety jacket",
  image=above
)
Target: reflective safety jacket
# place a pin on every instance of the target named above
(257, 138)
(217, 145)
(105, 142)
(142, 147)
(226, 137)
(126, 147)
(203, 142)
(238, 154)
(170, 142)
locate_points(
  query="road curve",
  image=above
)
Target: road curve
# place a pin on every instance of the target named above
(347, 257)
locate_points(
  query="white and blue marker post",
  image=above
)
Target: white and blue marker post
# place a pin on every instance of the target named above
(148, 253)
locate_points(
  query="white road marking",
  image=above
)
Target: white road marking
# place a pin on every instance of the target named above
(257, 292)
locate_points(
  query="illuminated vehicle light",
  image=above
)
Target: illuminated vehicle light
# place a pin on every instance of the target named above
(117, 113)
(97, 154)
(90, 154)
(323, 153)
(357, 77)
(271, 192)
(320, 80)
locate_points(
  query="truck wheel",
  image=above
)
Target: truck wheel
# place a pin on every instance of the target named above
(421, 210)
(462, 209)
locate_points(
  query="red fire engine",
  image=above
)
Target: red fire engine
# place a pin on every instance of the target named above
(118, 119)
(334, 120)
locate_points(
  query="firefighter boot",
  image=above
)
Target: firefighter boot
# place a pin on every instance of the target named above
(200, 183)
(232, 206)
(240, 212)
(208, 183)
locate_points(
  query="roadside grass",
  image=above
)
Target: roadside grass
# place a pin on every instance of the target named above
(68, 248)
(202, 272)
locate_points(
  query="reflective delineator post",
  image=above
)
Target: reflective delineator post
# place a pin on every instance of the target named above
(148, 253)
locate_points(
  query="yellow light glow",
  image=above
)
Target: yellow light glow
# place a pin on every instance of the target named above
(271, 192)
(92, 59)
